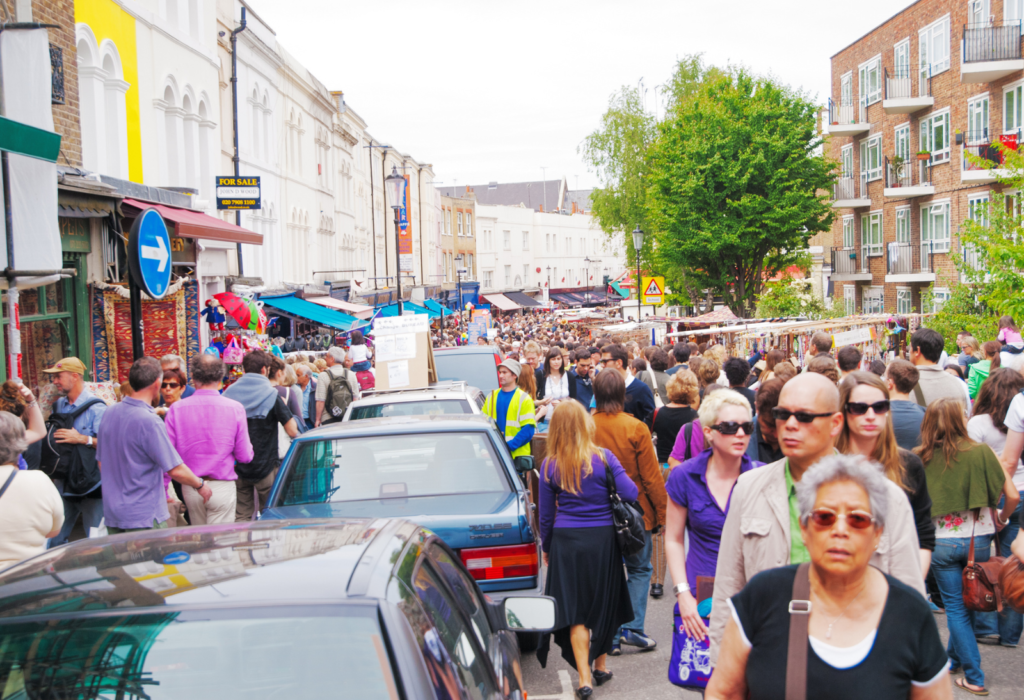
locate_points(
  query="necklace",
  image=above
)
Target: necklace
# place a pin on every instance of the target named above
(828, 632)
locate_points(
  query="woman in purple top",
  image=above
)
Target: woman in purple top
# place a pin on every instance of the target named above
(698, 498)
(585, 574)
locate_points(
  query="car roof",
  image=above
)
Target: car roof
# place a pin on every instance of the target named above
(240, 564)
(469, 350)
(441, 390)
(398, 425)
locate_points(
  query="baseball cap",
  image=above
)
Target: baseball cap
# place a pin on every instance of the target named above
(68, 364)
(512, 366)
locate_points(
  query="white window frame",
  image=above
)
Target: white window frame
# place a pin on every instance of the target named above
(469, 224)
(903, 225)
(508, 275)
(872, 300)
(940, 151)
(488, 278)
(928, 233)
(526, 275)
(850, 299)
(871, 233)
(933, 45)
(904, 300)
(1013, 107)
(977, 207)
(1013, 11)
(981, 8)
(849, 234)
(871, 158)
(846, 158)
(459, 219)
(846, 88)
(526, 240)
(901, 142)
(507, 238)
(940, 295)
(978, 119)
(869, 80)
(901, 55)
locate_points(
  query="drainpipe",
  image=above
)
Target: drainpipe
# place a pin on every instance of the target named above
(234, 119)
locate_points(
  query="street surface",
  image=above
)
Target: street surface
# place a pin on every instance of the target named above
(644, 674)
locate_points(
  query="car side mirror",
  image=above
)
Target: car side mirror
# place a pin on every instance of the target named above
(529, 614)
(524, 463)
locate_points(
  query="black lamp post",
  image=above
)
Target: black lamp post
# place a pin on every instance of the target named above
(638, 244)
(395, 185)
(458, 274)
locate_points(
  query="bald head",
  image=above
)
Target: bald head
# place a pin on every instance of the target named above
(812, 391)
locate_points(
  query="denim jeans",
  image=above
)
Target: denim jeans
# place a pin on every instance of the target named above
(1007, 624)
(639, 569)
(91, 510)
(948, 562)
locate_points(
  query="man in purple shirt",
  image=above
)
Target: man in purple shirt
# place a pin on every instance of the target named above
(134, 452)
(210, 433)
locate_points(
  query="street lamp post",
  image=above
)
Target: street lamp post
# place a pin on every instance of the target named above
(394, 183)
(458, 283)
(638, 244)
(547, 293)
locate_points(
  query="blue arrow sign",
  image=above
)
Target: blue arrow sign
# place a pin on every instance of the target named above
(149, 253)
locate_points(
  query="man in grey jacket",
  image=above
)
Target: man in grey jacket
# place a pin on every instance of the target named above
(933, 382)
(762, 528)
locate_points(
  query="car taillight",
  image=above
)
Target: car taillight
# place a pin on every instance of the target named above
(487, 563)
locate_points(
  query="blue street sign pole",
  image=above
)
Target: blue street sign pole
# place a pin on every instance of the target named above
(149, 265)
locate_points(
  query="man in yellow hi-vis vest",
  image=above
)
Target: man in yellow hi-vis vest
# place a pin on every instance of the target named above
(512, 409)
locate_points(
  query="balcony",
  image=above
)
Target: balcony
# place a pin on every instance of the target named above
(981, 145)
(847, 118)
(974, 259)
(909, 262)
(990, 51)
(907, 178)
(850, 193)
(899, 92)
(845, 267)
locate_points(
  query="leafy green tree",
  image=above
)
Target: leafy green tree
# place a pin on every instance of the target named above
(963, 311)
(737, 186)
(793, 297)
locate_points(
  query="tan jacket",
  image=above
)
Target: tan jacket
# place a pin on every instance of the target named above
(630, 442)
(756, 537)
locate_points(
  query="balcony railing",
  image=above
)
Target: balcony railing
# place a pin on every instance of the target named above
(846, 187)
(909, 258)
(899, 84)
(847, 112)
(999, 41)
(908, 173)
(974, 257)
(981, 145)
(844, 261)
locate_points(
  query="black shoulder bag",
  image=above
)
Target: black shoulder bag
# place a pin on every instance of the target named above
(628, 517)
(74, 464)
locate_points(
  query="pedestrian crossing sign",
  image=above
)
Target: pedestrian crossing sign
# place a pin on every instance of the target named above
(654, 290)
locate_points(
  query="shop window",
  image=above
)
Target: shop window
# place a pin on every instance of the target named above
(48, 329)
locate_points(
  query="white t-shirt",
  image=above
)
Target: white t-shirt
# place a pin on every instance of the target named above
(358, 353)
(30, 509)
(980, 429)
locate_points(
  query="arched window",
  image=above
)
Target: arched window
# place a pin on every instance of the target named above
(190, 142)
(255, 123)
(205, 139)
(102, 110)
(266, 127)
(171, 135)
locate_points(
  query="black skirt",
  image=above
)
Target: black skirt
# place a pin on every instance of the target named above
(588, 583)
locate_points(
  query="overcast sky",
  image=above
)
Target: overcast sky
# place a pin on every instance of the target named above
(496, 90)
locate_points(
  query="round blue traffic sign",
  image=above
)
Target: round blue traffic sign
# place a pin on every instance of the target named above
(175, 558)
(149, 253)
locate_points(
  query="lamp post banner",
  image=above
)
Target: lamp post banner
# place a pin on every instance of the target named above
(404, 232)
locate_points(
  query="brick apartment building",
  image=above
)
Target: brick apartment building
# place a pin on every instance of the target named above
(458, 237)
(944, 77)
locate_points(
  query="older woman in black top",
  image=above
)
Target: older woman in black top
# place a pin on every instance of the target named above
(869, 635)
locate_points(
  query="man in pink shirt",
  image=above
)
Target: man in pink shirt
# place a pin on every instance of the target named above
(210, 433)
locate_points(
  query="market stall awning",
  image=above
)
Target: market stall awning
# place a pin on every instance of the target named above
(437, 308)
(314, 313)
(566, 299)
(360, 311)
(194, 224)
(719, 316)
(501, 301)
(523, 300)
(392, 310)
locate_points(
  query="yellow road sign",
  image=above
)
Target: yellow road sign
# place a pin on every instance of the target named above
(653, 290)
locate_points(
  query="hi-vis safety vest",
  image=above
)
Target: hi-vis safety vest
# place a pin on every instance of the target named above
(520, 413)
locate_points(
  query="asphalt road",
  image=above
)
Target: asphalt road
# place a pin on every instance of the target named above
(644, 674)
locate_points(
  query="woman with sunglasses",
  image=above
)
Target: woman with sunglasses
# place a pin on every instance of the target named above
(699, 491)
(870, 635)
(171, 389)
(965, 480)
(868, 431)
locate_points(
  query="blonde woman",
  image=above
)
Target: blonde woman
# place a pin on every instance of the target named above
(585, 575)
(719, 355)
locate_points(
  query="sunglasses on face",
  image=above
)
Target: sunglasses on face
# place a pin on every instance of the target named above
(170, 385)
(857, 519)
(856, 408)
(784, 414)
(731, 427)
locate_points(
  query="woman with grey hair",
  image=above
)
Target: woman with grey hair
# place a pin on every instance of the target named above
(869, 635)
(31, 510)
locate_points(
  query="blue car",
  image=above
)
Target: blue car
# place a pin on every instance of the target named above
(452, 474)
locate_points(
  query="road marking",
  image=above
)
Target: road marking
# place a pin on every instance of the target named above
(567, 691)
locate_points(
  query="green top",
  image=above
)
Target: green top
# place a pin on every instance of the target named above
(974, 480)
(798, 553)
(979, 372)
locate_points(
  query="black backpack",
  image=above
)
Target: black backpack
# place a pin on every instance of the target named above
(339, 396)
(74, 464)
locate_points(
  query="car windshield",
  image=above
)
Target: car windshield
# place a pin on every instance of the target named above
(476, 369)
(392, 466)
(411, 408)
(302, 652)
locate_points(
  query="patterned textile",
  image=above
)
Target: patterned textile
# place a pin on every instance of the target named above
(102, 390)
(42, 345)
(100, 349)
(192, 320)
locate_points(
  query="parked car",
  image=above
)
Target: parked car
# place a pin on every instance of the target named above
(441, 398)
(312, 608)
(475, 364)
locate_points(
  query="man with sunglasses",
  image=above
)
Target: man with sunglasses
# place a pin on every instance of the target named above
(639, 397)
(762, 529)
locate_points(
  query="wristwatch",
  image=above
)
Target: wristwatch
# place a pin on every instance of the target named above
(88, 441)
(202, 483)
(680, 588)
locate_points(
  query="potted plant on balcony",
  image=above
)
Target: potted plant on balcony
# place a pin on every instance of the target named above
(924, 155)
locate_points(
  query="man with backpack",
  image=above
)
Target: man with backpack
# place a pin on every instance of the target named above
(335, 389)
(69, 450)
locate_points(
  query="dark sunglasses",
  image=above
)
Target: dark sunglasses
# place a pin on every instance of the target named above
(856, 408)
(731, 427)
(782, 414)
(857, 519)
(170, 385)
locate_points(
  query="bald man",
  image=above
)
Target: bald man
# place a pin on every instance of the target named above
(762, 528)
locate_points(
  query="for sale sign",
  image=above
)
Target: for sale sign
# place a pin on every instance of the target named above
(238, 193)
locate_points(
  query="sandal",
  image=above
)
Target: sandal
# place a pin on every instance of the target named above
(962, 684)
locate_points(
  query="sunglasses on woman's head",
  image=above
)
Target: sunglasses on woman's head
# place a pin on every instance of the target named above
(856, 408)
(784, 414)
(857, 519)
(731, 427)
(170, 385)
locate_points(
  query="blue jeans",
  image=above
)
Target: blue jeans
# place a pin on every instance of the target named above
(948, 562)
(1007, 624)
(639, 569)
(91, 510)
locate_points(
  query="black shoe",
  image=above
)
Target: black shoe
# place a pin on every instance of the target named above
(584, 691)
(657, 590)
(602, 677)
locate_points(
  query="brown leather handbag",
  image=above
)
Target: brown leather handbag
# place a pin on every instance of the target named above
(1011, 583)
(982, 592)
